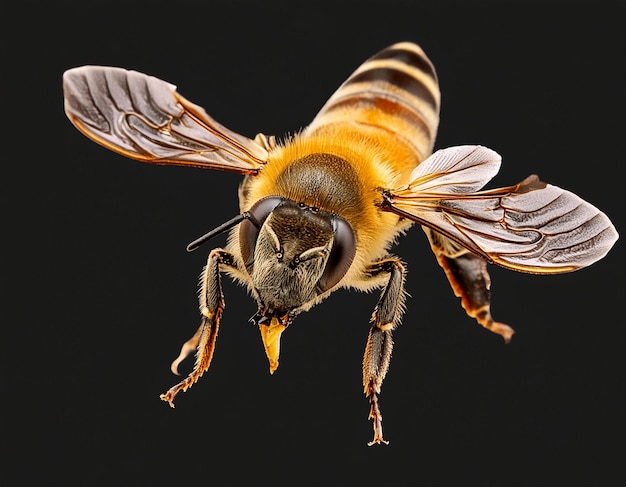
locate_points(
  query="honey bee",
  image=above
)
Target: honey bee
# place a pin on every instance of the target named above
(320, 210)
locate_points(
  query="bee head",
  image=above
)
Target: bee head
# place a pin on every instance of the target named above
(294, 252)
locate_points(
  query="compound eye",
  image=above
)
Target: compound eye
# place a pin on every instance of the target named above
(341, 255)
(250, 227)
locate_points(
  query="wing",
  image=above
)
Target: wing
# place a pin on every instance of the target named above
(530, 227)
(144, 118)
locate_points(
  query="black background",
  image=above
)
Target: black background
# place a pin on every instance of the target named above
(99, 292)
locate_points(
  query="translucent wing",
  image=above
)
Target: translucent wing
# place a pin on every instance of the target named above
(144, 118)
(530, 227)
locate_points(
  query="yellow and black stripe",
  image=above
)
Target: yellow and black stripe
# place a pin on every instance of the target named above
(395, 90)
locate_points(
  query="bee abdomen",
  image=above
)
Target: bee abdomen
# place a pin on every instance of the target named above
(396, 90)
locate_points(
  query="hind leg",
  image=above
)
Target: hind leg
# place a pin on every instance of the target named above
(470, 281)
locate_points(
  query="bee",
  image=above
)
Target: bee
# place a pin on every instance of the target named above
(320, 210)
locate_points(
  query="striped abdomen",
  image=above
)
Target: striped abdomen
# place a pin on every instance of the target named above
(394, 91)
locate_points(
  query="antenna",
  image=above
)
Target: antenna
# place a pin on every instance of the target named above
(221, 229)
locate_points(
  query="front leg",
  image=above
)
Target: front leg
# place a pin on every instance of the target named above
(386, 317)
(211, 307)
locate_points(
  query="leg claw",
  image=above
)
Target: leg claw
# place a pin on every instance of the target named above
(377, 422)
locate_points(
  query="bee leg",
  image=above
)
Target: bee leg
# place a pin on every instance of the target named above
(386, 317)
(211, 307)
(470, 281)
